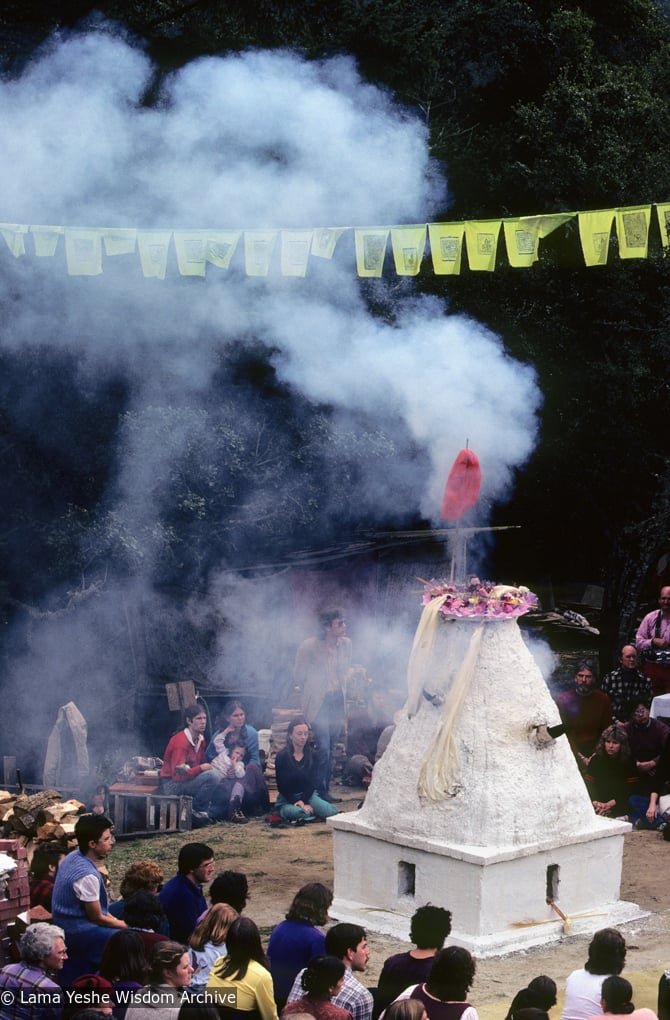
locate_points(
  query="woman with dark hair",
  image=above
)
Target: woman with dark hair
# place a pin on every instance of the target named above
(297, 939)
(208, 941)
(583, 989)
(245, 971)
(322, 981)
(125, 964)
(296, 773)
(539, 996)
(143, 912)
(233, 729)
(616, 1001)
(444, 994)
(43, 868)
(611, 775)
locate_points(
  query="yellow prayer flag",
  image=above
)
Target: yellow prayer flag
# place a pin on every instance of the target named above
(258, 248)
(446, 247)
(632, 227)
(221, 245)
(370, 250)
(119, 240)
(481, 239)
(191, 249)
(295, 248)
(153, 247)
(408, 245)
(83, 252)
(594, 232)
(46, 240)
(324, 240)
(663, 213)
(14, 235)
(522, 236)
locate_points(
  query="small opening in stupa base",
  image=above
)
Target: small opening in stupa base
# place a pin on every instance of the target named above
(406, 878)
(553, 880)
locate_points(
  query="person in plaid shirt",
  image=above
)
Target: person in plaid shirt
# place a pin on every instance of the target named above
(626, 684)
(348, 943)
(42, 950)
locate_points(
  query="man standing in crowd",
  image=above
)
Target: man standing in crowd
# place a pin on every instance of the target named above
(182, 897)
(321, 668)
(625, 684)
(653, 643)
(349, 944)
(80, 897)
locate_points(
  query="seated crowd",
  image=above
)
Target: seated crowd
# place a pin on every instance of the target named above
(622, 752)
(162, 942)
(166, 954)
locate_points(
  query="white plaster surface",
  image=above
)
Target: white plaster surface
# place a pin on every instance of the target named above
(484, 851)
(512, 792)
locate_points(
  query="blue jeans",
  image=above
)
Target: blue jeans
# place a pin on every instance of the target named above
(326, 730)
(293, 813)
(638, 805)
(205, 788)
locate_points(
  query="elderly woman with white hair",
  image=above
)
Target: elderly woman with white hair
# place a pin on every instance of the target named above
(42, 950)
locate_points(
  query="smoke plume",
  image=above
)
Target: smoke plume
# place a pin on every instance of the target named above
(258, 140)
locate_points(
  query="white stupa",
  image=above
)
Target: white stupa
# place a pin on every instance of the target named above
(474, 807)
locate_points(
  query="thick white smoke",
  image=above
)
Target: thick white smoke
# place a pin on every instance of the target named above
(257, 140)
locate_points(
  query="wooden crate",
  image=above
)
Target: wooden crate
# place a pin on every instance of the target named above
(141, 810)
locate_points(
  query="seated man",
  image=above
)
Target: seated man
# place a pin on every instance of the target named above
(348, 942)
(647, 738)
(186, 770)
(182, 897)
(42, 951)
(625, 684)
(585, 713)
(80, 897)
(430, 926)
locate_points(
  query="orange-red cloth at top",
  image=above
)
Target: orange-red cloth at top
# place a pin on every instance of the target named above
(462, 488)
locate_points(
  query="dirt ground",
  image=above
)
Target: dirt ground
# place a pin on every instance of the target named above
(278, 861)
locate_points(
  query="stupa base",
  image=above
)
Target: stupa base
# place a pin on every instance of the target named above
(497, 896)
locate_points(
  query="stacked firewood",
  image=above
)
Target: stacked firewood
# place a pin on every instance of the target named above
(42, 816)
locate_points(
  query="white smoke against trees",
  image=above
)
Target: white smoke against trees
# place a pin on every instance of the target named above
(253, 140)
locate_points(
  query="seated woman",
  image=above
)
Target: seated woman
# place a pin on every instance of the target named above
(322, 981)
(232, 729)
(444, 994)
(539, 995)
(170, 973)
(296, 773)
(142, 876)
(297, 939)
(143, 912)
(245, 971)
(208, 941)
(611, 774)
(616, 1000)
(124, 964)
(583, 989)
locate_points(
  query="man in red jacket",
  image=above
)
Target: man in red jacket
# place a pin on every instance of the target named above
(186, 770)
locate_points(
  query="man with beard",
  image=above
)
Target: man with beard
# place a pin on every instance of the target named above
(585, 713)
